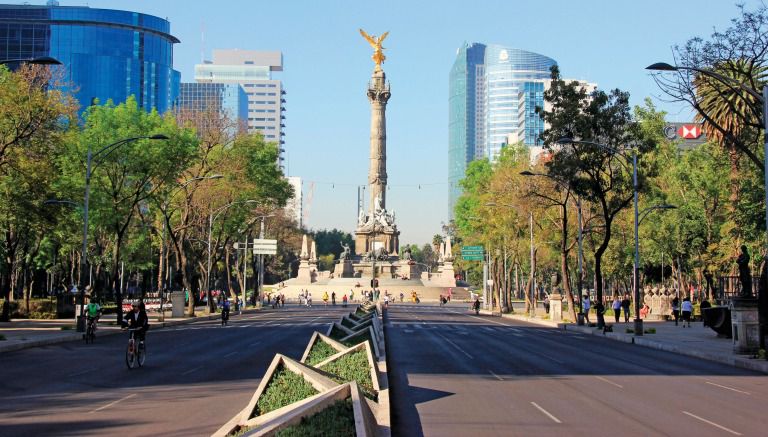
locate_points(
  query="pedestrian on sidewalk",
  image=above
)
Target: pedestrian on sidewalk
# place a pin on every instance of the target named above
(344, 301)
(676, 309)
(687, 311)
(585, 305)
(333, 298)
(625, 304)
(616, 305)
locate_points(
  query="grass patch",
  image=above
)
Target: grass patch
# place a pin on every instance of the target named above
(353, 367)
(319, 351)
(283, 389)
(66, 328)
(336, 333)
(364, 336)
(650, 331)
(629, 331)
(336, 420)
(361, 312)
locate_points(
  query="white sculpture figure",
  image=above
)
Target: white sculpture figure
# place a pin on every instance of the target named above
(377, 205)
(361, 218)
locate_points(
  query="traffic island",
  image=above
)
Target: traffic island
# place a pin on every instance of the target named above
(339, 386)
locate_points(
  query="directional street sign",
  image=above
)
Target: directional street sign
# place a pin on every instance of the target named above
(264, 247)
(472, 253)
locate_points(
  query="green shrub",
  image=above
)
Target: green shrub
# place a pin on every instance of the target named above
(357, 339)
(336, 420)
(353, 367)
(319, 351)
(629, 331)
(650, 331)
(66, 328)
(283, 389)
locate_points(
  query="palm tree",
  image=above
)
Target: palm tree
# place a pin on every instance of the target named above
(729, 114)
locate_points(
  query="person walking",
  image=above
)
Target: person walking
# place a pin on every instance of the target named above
(585, 305)
(687, 308)
(333, 298)
(344, 301)
(676, 309)
(625, 304)
(325, 298)
(616, 306)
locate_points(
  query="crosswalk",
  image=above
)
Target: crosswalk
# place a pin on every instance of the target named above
(475, 329)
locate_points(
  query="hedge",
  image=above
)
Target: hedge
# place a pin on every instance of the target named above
(283, 389)
(353, 367)
(336, 420)
(320, 351)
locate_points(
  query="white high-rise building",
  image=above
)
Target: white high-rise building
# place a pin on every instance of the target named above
(253, 71)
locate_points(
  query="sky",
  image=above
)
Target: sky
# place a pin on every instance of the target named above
(327, 66)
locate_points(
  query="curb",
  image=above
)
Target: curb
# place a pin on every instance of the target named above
(79, 336)
(734, 361)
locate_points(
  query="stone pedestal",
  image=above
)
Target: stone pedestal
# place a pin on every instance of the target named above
(744, 325)
(556, 307)
(345, 269)
(177, 304)
(304, 275)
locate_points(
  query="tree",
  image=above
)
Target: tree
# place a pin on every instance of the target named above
(328, 242)
(33, 124)
(601, 174)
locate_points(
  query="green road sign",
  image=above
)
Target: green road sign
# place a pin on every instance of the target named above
(471, 248)
(479, 257)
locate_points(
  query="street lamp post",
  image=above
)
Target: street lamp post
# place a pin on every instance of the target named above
(90, 157)
(533, 270)
(638, 322)
(211, 218)
(580, 229)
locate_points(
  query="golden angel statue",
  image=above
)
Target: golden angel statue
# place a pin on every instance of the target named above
(378, 54)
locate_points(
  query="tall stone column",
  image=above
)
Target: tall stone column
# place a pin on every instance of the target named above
(378, 95)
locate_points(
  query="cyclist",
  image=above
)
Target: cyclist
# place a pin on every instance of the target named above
(137, 319)
(225, 311)
(92, 313)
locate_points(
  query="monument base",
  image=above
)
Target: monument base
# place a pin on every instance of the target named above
(744, 325)
(305, 274)
(556, 307)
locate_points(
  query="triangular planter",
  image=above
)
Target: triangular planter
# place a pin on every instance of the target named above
(319, 381)
(337, 327)
(318, 337)
(366, 348)
(349, 322)
(359, 335)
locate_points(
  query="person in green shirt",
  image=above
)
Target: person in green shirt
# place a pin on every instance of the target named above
(92, 312)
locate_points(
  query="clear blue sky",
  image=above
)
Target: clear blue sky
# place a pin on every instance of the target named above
(327, 66)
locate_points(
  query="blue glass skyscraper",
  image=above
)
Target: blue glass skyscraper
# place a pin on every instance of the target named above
(511, 76)
(106, 54)
(462, 115)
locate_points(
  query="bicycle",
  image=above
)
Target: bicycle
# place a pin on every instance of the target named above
(224, 317)
(90, 330)
(135, 354)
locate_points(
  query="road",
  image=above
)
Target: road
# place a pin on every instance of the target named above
(197, 376)
(456, 374)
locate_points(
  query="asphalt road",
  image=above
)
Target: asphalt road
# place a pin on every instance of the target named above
(456, 374)
(197, 376)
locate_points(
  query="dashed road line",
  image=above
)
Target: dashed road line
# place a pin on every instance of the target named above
(80, 373)
(546, 413)
(609, 381)
(113, 403)
(231, 353)
(456, 346)
(728, 388)
(192, 370)
(708, 422)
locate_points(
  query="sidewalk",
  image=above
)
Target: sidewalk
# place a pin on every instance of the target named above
(27, 333)
(697, 341)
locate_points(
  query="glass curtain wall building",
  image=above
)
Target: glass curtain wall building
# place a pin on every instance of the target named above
(106, 54)
(512, 75)
(228, 99)
(462, 115)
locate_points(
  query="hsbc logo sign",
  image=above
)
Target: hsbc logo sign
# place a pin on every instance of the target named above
(688, 132)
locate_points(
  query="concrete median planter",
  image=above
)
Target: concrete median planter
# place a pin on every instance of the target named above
(335, 377)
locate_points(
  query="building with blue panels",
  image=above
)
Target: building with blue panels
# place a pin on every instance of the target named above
(229, 99)
(512, 75)
(106, 54)
(462, 115)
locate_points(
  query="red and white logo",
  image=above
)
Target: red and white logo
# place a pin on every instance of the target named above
(689, 131)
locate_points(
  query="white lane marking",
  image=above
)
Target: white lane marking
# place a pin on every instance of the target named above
(246, 326)
(480, 318)
(192, 370)
(408, 331)
(497, 376)
(728, 388)
(547, 413)
(80, 373)
(457, 347)
(254, 343)
(712, 423)
(609, 382)
(113, 403)
(230, 354)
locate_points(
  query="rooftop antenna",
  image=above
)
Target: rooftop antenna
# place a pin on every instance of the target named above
(202, 42)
